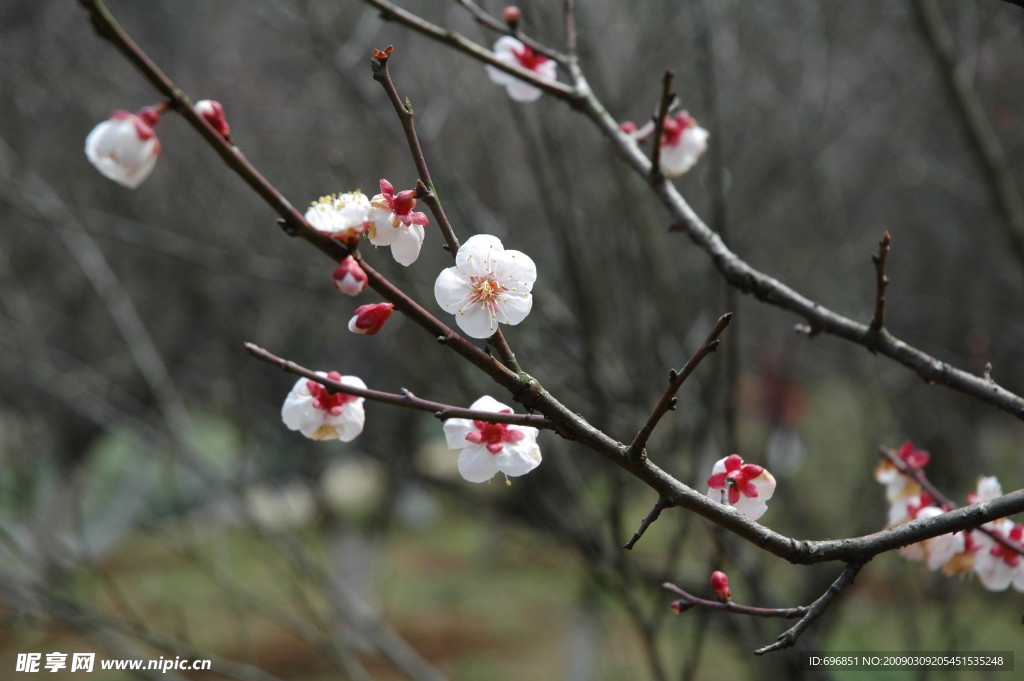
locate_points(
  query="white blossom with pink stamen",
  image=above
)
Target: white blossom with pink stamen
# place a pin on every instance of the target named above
(492, 448)
(513, 52)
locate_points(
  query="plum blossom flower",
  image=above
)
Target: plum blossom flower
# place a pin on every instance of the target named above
(682, 141)
(394, 223)
(349, 277)
(897, 485)
(746, 487)
(322, 415)
(125, 147)
(937, 551)
(492, 448)
(999, 566)
(213, 112)
(988, 488)
(513, 52)
(344, 217)
(487, 286)
(369, 319)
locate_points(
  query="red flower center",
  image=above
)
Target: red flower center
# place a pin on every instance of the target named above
(737, 478)
(494, 435)
(332, 403)
(529, 59)
(673, 128)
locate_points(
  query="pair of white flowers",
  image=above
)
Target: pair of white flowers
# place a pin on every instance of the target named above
(486, 449)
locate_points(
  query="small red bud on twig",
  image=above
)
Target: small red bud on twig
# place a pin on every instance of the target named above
(511, 15)
(720, 585)
(382, 55)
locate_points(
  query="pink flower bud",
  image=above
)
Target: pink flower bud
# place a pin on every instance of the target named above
(369, 319)
(511, 15)
(124, 147)
(349, 277)
(213, 112)
(720, 585)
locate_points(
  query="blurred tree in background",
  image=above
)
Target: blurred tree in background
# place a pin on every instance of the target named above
(152, 503)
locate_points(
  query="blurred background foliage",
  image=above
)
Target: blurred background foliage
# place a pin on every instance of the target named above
(152, 503)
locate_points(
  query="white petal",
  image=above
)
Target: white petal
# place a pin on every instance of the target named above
(488, 403)
(384, 231)
(455, 432)
(500, 77)
(516, 269)
(514, 307)
(521, 91)
(476, 254)
(477, 321)
(518, 459)
(407, 244)
(476, 464)
(452, 290)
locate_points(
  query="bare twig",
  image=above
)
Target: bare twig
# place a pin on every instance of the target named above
(660, 505)
(425, 188)
(675, 381)
(881, 282)
(664, 104)
(688, 601)
(815, 610)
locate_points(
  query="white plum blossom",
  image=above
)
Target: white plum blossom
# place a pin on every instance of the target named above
(322, 415)
(998, 566)
(513, 52)
(487, 286)
(745, 487)
(394, 223)
(988, 488)
(343, 217)
(492, 448)
(125, 147)
(682, 142)
(937, 551)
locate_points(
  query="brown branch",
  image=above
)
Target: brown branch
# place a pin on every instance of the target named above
(404, 399)
(815, 610)
(675, 381)
(881, 282)
(660, 505)
(688, 601)
(667, 97)
(425, 187)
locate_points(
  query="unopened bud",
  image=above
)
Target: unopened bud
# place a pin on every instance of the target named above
(511, 16)
(213, 112)
(720, 585)
(349, 277)
(369, 319)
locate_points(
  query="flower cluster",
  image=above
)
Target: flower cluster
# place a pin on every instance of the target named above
(746, 487)
(994, 552)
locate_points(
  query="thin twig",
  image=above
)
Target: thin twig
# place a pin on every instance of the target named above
(688, 601)
(570, 28)
(675, 381)
(667, 97)
(815, 610)
(660, 505)
(425, 188)
(881, 281)
(404, 399)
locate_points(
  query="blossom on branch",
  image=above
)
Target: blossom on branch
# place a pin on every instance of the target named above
(487, 286)
(492, 448)
(344, 217)
(349, 277)
(898, 486)
(125, 147)
(213, 112)
(513, 52)
(369, 319)
(322, 415)
(682, 142)
(720, 584)
(996, 565)
(394, 223)
(746, 487)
